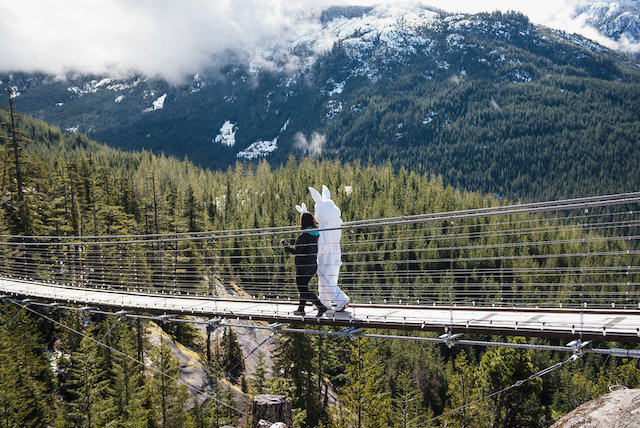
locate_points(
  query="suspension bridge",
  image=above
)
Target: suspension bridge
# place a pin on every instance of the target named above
(565, 269)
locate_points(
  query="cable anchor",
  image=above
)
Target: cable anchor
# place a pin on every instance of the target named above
(275, 327)
(352, 331)
(214, 324)
(450, 339)
(163, 318)
(578, 348)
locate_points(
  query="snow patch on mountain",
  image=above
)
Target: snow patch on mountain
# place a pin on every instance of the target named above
(90, 87)
(198, 83)
(104, 82)
(285, 126)
(337, 88)
(110, 83)
(429, 117)
(123, 85)
(258, 148)
(334, 107)
(158, 104)
(262, 148)
(227, 135)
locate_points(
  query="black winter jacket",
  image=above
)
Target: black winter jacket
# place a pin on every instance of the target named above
(305, 249)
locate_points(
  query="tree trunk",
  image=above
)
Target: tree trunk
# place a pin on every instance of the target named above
(272, 408)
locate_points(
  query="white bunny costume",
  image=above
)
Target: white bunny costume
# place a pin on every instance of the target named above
(328, 216)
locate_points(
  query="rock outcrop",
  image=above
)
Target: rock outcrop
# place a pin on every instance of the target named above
(617, 409)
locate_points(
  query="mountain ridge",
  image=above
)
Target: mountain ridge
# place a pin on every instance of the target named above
(618, 20)
(425, 89)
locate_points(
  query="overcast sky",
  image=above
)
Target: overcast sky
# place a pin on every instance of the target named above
(172, 39)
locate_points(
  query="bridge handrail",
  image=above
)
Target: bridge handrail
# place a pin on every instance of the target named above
(530, 208)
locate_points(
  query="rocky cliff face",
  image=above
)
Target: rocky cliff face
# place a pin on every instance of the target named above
(617, 409)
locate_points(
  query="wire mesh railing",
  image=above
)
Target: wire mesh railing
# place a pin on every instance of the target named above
(576, 253)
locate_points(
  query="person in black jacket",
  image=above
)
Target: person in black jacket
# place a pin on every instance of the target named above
(305, 250)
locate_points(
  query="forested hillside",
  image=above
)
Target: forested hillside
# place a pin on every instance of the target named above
(90, 188)
(53, 376)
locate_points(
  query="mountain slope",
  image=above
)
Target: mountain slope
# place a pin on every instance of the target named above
(615, 19)
(489, 101)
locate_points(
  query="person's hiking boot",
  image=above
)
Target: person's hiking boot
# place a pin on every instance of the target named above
(299, 312)
(321, 310)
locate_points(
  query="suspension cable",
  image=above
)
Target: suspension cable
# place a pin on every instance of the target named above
(538, 207)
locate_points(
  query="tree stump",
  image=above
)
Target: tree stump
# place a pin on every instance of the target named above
(272, 408)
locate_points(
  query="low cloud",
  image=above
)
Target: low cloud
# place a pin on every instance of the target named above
(313, 146)
(173, 40)
(160, 38)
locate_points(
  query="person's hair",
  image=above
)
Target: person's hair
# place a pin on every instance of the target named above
(307, 220)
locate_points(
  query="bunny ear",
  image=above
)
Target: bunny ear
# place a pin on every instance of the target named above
(325, 192)
(304, 207)
(301, 209)
(315, 194)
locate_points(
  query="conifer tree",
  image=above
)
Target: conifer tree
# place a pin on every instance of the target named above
(259, 376)
(295, 361)
(26, 382)
(213, 411)
(407, 405)
(168, 397)
(363, 400)
(87, 385)
(232, 356)
(521, 406)
(15, 139)
(127, 384)
(461, 392)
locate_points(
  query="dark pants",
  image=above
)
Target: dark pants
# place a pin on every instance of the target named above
(303, 276)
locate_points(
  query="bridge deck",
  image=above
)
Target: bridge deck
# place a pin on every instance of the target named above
(618, 325)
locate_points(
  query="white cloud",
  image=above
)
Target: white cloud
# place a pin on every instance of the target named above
(313, 146)
(155, 37)
(174, 39)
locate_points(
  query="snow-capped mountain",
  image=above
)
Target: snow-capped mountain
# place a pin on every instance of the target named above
(421, 87)
(619, 20)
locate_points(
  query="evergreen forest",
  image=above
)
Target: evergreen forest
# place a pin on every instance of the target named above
(53, 371)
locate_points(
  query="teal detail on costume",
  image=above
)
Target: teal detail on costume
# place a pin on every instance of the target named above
(312, 233)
